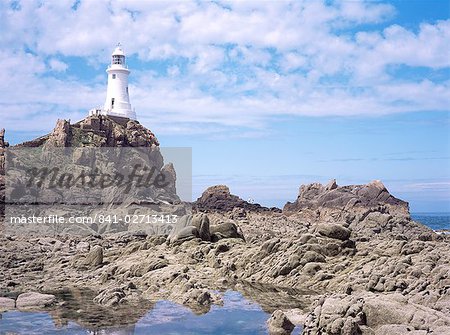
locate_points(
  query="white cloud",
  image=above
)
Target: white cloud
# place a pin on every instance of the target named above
(57, 65)
(228, 64)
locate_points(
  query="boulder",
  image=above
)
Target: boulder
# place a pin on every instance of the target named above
(386, 311)
(312, 257)
(333, 230)
(225, 230)
(185, 230)
(279, 324)
(33, 300)
(95, 257)
(201, 222)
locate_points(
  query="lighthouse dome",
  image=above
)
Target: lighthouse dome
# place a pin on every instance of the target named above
(118, 51)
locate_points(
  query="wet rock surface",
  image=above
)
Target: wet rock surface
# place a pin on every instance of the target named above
(34, 300)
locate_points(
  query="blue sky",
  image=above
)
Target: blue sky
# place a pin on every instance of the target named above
(269, 95)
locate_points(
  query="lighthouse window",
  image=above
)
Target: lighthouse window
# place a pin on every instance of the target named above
(118, 59)
(112, 103)
(114, 76)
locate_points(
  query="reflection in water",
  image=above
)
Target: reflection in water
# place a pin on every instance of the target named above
(78, 307)
(237, 316)
(271, 298)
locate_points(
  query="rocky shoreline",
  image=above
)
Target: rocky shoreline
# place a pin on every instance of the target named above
(337, 260)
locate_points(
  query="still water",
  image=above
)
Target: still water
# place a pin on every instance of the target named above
(237, 316)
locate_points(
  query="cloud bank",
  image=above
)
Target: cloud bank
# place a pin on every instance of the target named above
(208, 67)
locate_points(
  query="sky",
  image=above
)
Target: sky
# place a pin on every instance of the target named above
(268, 94)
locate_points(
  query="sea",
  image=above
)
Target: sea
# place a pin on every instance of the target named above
(437, 221)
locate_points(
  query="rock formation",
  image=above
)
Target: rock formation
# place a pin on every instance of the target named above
(113, 146)
(219, 199)
(338, 260)
(96, 131)
(368, 210)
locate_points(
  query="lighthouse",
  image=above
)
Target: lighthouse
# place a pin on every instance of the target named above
(117, 101)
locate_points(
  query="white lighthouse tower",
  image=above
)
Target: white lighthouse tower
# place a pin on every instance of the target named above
(117, 97)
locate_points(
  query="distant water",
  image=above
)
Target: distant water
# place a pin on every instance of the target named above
(436, 221)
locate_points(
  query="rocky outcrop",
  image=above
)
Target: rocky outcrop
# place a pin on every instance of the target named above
(61, 136)
(317, 196)
(219, 199)
(367, 210)
(126, 194)
(97, 131)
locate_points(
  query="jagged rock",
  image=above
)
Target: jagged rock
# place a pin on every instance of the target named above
(390, 264)
(95, 257)
(316, 195)
(201, 222)
(97, 131)
(60, 136)
(279, 324)
(218, 198)
(83, 137)
(33, 300)
(141, 268)
(368, 210)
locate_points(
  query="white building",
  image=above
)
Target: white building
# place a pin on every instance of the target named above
(117, 96)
